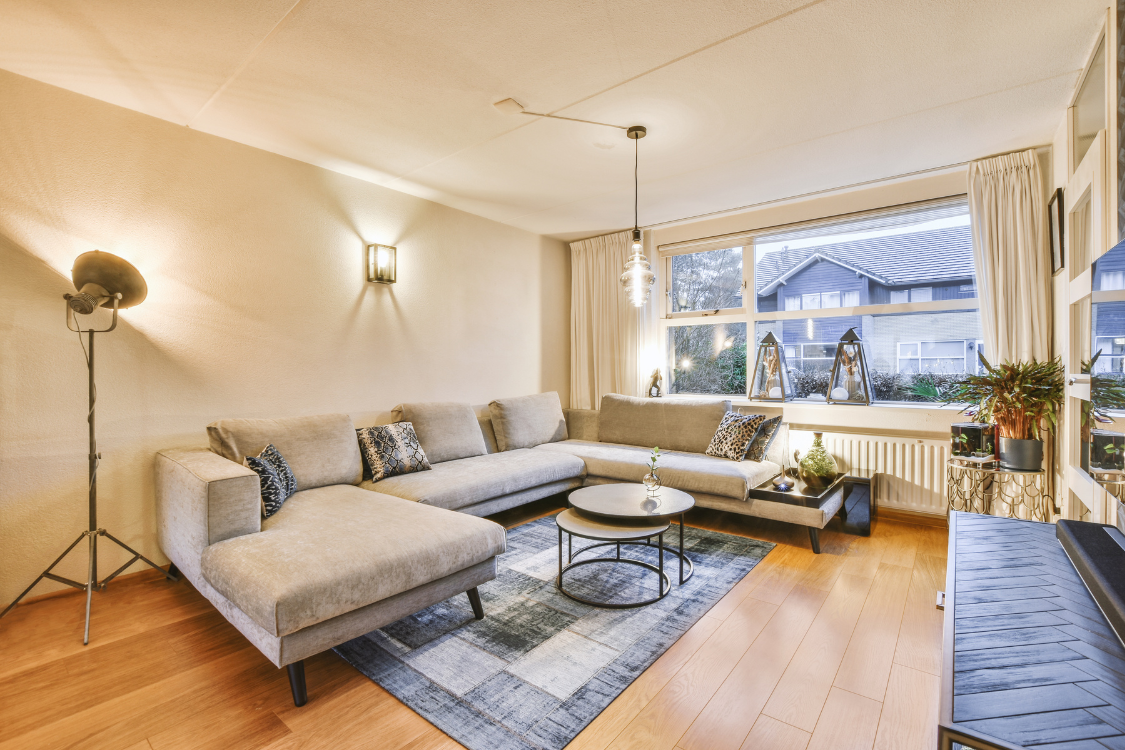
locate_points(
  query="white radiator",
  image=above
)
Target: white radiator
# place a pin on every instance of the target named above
(910, 472)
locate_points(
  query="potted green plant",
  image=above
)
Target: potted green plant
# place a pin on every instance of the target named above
(652, 479)
(1105, 449)
(1022, 399)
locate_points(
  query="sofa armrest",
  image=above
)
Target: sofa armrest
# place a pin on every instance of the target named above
(780, 446)
(202, 498)
(582, 424)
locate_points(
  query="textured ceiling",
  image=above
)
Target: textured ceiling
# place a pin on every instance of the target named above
(744, 102)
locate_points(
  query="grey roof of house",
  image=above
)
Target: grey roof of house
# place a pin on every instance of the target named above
(936, 255)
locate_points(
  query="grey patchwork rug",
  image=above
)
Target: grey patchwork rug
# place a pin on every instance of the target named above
(541, 666)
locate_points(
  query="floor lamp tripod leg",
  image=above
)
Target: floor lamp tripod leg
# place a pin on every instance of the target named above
(90, 587)
(44, 574)
(136, 556)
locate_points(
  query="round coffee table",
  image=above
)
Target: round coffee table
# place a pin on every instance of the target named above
(633, 503)
(609, 533)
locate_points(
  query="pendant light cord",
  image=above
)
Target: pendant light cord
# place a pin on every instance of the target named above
(636, 183)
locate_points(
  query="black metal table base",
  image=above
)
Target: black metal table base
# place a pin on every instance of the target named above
(664, 580)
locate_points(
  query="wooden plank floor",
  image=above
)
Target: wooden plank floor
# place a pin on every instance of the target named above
(839, 650)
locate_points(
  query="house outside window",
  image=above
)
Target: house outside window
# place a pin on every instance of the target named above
(903, 277)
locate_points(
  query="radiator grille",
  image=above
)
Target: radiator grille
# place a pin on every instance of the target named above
(910, 472)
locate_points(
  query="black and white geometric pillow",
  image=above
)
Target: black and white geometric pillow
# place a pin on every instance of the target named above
(734, 435)
(391, 449)
(766, 433)
(275, 477)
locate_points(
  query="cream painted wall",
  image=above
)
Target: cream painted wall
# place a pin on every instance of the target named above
(257, 307)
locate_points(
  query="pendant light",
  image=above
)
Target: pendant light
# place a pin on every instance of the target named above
(638, 277)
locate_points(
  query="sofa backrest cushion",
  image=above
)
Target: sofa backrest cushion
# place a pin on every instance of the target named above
(671, 424)
(447, 431)
(528, 421)
(321, 450)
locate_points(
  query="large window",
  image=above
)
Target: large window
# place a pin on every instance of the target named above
(903, 278)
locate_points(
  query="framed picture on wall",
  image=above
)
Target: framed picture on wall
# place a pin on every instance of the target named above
(1055, 225)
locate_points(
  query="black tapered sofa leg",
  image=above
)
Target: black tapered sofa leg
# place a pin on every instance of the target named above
(474, 599)
(814, 537)
(173, 572)
(297, 683)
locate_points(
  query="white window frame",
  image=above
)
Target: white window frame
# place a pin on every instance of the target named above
(748, 313)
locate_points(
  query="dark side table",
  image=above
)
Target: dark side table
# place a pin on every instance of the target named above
(856, 517)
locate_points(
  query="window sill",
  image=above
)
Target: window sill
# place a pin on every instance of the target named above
(890, 418)
(739, 400)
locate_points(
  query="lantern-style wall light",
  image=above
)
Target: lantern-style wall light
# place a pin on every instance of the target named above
(381, 264)
(771, 374)
(850, 382)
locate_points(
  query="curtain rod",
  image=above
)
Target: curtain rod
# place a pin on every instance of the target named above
(824, 191)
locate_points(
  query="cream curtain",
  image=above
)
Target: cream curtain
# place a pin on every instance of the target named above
(605, 330)
(1012, 257)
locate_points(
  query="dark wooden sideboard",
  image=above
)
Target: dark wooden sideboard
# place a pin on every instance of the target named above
(1028, 660)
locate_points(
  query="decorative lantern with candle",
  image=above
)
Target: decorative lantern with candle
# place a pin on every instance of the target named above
(771, 374)
(850, 382)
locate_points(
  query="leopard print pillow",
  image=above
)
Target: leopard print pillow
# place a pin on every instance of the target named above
(734, 435)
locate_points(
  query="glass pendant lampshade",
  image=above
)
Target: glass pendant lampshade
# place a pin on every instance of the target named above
(850, 382)
(638, 277)
(771, 374)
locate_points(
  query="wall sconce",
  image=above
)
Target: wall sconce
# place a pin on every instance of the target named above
(381, 264)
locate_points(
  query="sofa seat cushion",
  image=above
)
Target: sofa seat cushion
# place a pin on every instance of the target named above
(334, 549)
(467, 481)
(690, 472)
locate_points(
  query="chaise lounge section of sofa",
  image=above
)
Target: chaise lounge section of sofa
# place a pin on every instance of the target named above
(335, 562)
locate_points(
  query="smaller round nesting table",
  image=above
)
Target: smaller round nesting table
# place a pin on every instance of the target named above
(608, 535)
(615, 514)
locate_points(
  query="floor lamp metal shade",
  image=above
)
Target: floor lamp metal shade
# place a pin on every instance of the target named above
(101, 279)
(98, 276)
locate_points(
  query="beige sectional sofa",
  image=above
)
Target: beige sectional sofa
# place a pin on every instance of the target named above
(346, 555)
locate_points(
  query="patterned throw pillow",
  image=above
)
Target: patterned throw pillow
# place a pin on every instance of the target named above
(734, 435)
(761, 443)
(277, 481)
(391, 449)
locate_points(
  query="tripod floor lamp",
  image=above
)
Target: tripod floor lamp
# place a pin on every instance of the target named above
(104, 280)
